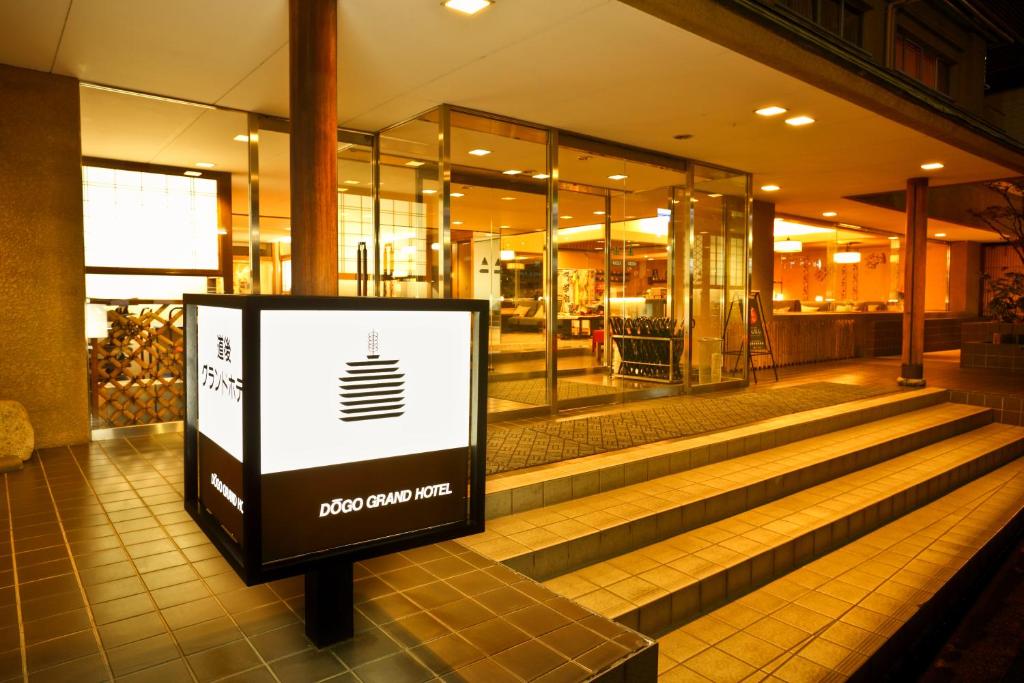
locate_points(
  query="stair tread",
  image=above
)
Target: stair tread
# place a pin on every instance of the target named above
(828, 617)
(525, 532)
(540, 473)
(628, 581)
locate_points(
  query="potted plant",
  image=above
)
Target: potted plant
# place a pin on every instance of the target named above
(1007, 219)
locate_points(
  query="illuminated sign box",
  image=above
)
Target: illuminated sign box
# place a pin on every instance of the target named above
(326, 429)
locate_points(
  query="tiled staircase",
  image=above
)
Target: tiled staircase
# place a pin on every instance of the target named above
(795, 547)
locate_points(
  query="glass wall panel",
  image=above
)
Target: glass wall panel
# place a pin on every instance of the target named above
(275, 211)
(499, 247)
(620, 209)
(409, 253)
(159, 202)
(718, 259)
(824, 269)
(356, 263)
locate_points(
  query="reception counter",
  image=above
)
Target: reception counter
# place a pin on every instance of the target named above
(816, 337)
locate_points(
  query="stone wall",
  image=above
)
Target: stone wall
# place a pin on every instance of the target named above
(42, 269)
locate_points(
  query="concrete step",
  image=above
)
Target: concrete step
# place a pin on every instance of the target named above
(850, 612)
(559, 538)
(537, 487)
(662, 585)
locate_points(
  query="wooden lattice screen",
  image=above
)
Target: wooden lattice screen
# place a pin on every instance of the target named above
(137, 371)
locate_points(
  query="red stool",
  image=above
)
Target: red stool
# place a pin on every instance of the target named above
(597, 341)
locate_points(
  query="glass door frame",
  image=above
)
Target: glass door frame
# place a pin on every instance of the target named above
(258, 122)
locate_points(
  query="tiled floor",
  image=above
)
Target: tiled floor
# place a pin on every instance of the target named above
(824, 620)
(104, 576)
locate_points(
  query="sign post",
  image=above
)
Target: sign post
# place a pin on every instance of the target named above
(323, 430)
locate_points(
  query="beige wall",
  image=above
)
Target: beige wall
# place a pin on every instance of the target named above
(42, 282)
(964, 277)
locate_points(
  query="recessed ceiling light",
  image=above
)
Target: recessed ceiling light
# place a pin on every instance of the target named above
(342, 189)
(468, 6)
(504, 227)
(770, 188)
(512, 171)
(480, 152)
(193, 174)
(412, 163)
(204, 164)
(715, 195)
(617, 176)
(771, 110)
(429, 191)
(508, 199)
(456, 222)
(241, 137)
(541, 176)
(932, 166)
(829, 214)
(940, 234)
(458, 194)
(565, 218)
(351, 182)
(599, 213)
(800, 120)
(894, 237)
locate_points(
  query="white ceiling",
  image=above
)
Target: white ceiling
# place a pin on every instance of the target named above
(597, 67)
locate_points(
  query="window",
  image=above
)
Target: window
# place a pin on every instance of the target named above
(136, 219)
(921, 63)
(841, 18)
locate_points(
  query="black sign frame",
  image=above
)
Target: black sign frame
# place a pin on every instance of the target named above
(246, 558)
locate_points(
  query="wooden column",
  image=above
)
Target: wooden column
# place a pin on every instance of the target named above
(914, 256)
(313, 86)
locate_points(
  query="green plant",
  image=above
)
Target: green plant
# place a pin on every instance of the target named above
(1007, 297)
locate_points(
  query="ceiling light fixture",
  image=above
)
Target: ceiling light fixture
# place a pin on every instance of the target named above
(846, 257)
(511, 171)
(342, 189)
(204, 164)
(508, 199)
(507, 254)
(617, 176)
(458, 194)
(456, 222)
(932, 166)
(479, 152)
(939, 234)
(351, 182)
(771, 110)
(429, 191)
(412, 163)
(469, 7)
(565, 218)
(541, 176)
(193, 174)
(715, 195)
(894, 237)
(829, 214)
(802, 120)
(770, 188)
(789, 247)
(241, 137)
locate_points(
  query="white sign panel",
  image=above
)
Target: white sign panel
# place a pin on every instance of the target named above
(347, 386)
(219, 362)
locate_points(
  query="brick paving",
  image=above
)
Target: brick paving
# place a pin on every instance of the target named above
(544, 441)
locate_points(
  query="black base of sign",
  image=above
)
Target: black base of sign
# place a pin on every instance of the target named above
(329, 608)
